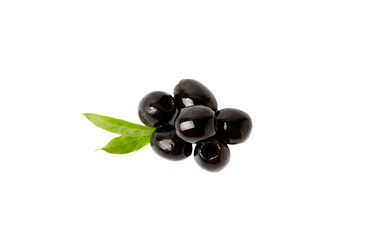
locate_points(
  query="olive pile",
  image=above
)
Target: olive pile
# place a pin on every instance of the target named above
(191, 116)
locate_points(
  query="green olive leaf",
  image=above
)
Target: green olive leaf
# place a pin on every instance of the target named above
(119, 126)
(133, 136)
(126, 144)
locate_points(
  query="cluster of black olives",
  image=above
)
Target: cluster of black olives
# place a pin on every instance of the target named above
(192, 116)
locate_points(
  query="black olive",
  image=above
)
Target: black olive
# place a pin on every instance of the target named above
(212, 155)
(189, 92)
(156, 109)
(233, 125)
(167, 144)
(195, 123)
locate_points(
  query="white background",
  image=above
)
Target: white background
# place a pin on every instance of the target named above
(304, 71)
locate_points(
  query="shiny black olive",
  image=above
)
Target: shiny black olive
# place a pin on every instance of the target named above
(167, 144)
(156, 109)
(189, 92)
(195, 123)
(212, 155)
(233, 125)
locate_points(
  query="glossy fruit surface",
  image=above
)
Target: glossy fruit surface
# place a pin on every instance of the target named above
(156, 109)
(167, 144)
(195, 123)
(212, 155)
(189, 92)
(233, 125)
